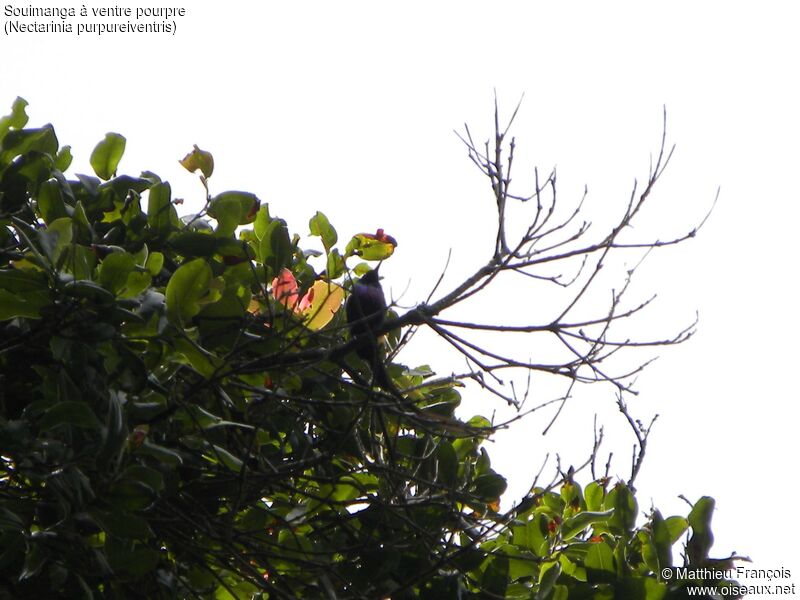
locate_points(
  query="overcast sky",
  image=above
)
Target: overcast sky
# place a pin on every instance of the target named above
(350, 107)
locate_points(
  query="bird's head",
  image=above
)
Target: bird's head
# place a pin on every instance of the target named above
(370, 278)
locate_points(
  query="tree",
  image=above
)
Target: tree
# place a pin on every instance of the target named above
(184, 414)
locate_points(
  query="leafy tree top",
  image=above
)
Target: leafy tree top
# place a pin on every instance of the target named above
(183, 415)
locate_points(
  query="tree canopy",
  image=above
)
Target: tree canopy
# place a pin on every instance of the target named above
(183, 415)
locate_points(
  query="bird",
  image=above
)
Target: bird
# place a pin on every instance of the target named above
(366, 311)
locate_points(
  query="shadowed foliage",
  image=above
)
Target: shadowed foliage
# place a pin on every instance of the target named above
(183, 413)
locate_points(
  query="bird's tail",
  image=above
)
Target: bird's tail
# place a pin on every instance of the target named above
(381, 376)
(369, 352)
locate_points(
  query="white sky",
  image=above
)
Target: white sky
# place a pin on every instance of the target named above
(349, 108)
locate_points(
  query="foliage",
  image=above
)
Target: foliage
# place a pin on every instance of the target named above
(183, 416)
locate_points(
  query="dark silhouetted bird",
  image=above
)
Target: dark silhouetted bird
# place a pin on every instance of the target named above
(366, 310)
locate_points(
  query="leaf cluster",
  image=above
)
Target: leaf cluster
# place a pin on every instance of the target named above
(173, 426)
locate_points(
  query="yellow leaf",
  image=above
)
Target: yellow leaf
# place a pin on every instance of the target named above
(199, 160)
(321, 303)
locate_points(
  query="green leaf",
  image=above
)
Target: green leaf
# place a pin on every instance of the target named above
(551, 500)
(234, 252)
(261, 222)
(521, 563)
(538, 534)
(56, 237)
(124, 525)
(204, 362)
(548, 575)
(661, 540)
(131, 495)
(114, 271)
(484, 463)
(22, 141)
(236, 590)
(574, 525)
(231, 306)
(193, 415)
(135, 284)
(124, 184)
(19, 281)
(134, 560)
(626, 509)
(35, 559)
(116, 433)
(320, 226)
(154, 263)
(161, 215)
(28, 234)
(144, 475)
(13, 305)
(189, 288)
(275, 248)
(82, 288)
(9, 521)
(654, 590)
(221, 455)
(23, 294)
(77, 414)
(490, 487)
(64, 158)
(480, 422)
(676, 526)
(702, 538)
(570, 567)
(600, 558)
(106, 155)
(50, 201)
(162, 454)
(334, 265)
(81, 220)
(232, 209)
(446, 464)
(495, 578)
(572, 494)
(16, 120)
(195, 243)
(347, 489)
(593, 494)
